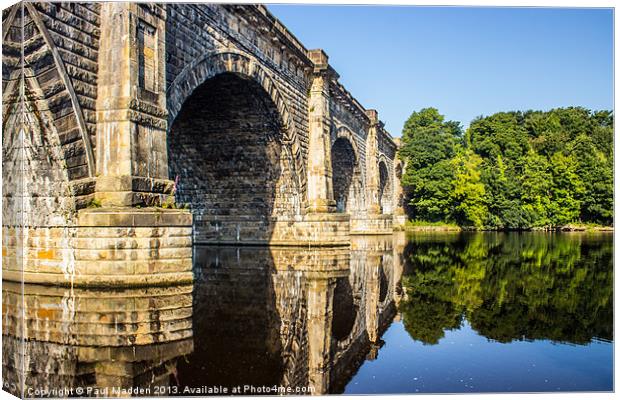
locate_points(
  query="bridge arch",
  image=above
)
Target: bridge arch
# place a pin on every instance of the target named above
(399, 196)
(232, 149)
(346, 171)
(217, 62)
(385, 186)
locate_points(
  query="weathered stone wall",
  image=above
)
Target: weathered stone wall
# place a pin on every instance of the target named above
(246, 39)
(56, 338)
(371, 189)
(387, 154)
(228, 36)
(46, 167)
(351, 124)
(349, 121)
(56, 84)
(49, 167)
(63, 39)
(387, 148)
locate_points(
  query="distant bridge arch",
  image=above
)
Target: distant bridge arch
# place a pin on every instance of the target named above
(386, 180)
(347, 175)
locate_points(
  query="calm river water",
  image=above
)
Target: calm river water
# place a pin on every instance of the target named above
(434, 313)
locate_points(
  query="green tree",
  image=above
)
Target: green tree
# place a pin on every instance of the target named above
(596, 173)
(429, 143)
(536, 184)
(501, 141)
(468, 191)
(566, 190)
(511, 170)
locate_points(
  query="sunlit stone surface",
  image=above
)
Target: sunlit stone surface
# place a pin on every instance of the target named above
(152, 126)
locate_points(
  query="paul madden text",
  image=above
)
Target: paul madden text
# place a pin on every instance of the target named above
(162, 390)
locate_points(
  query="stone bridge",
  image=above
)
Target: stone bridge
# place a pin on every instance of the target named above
(132, 130)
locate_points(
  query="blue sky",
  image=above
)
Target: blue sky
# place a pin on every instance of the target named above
(465, 61)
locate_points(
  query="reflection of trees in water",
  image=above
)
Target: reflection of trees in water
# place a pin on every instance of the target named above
(510, 286)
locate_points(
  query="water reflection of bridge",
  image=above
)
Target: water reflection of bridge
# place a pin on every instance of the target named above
(292, 317)
(89, 338)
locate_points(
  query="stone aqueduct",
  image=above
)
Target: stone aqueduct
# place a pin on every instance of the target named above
(133, 130)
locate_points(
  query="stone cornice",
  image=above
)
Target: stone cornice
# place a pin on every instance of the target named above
(388, 138)
(268, 23)
(342, 95)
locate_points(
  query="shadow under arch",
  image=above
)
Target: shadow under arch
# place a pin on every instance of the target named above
(344, 173)
(213, 63)
(385, 188)
(227, 153)
(228, 121)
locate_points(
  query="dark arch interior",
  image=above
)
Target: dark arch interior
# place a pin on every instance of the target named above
(225, 147)
(383, 282)
(400, 201)
(345, 310)
(343, 166)
(384, 181)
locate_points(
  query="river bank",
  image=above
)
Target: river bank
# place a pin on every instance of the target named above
(420, 226)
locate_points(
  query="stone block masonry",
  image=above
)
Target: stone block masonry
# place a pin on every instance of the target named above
(56, 338)
(107, 248)
(133, 130)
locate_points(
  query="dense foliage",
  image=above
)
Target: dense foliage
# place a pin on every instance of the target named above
(509, 286)
(510, 170)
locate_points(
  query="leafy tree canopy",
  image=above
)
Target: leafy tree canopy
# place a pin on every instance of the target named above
(510, 170)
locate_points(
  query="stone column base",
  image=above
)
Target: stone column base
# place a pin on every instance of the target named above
(109, 247)
(399, 221)
(315, 229)
(372, 224)
(321, 229)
